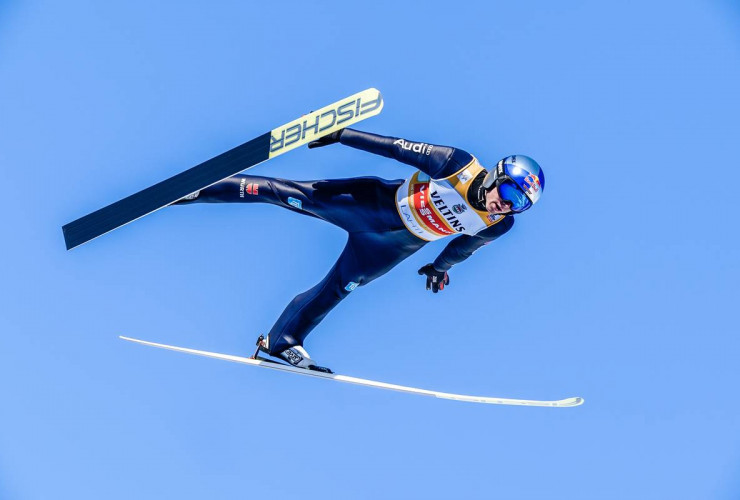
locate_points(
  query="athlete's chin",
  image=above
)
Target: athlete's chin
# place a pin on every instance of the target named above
(498, 212)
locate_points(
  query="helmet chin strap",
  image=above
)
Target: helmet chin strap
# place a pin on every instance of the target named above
(482, 195)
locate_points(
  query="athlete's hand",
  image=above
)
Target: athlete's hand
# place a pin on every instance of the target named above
(436, 280)
(332, 138)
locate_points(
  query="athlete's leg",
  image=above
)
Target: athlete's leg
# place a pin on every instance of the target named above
(237, 189)
(366, 257)
(365, 207)
(358, 204)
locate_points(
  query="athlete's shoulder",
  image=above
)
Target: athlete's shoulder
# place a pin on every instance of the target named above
(449, 160)
(461, 157)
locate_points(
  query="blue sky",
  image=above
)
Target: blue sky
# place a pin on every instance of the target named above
(619, 287)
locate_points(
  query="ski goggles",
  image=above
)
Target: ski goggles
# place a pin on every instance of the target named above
(512, 193)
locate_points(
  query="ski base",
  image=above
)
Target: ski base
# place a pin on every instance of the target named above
(275, 365)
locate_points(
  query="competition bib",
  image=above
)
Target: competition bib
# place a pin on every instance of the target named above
(435, 208)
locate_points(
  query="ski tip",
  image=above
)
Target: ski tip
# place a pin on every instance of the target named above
(577, 401)
(372, 90)
(382, 101)
(371, 93)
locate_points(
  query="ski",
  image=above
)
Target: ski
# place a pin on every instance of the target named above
(298, 132)
(274, 365)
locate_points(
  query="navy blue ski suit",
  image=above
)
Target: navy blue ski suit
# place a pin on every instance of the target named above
(365, 207)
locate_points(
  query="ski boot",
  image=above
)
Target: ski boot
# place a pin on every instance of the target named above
(295, 356)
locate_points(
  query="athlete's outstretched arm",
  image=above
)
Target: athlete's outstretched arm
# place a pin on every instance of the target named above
(435, 161)
(465, 245)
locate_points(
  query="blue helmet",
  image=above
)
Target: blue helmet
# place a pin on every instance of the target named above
(519, 180)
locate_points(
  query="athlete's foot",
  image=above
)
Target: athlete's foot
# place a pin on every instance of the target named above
(298, 357)
(295, 356)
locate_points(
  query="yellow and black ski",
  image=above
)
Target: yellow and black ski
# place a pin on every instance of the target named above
(298, 132)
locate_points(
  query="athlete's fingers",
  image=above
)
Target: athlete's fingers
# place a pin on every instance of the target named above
(447, 278)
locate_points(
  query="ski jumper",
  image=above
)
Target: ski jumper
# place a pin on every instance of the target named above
(387, 220)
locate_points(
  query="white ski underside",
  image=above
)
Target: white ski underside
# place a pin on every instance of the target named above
(360, 381)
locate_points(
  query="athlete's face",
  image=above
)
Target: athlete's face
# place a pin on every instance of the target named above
(495, 204)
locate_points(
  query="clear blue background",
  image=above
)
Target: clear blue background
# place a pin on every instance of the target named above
(620, 287)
